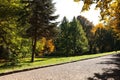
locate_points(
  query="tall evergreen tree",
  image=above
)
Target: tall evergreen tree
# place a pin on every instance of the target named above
(40, 20)
(79, 40)
(72, 39)
(87, 26)
(61, 42)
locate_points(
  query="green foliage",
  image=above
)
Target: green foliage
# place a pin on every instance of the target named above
(14, 24)
(41, 18)
(11, 40)
(61, 42)
(71, 39)
(87, 27)
(105, 40)
(21, 22)
(41, 24)
(79, 42)
(13, 59)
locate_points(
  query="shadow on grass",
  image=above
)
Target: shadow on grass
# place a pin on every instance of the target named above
(109, 73)
(8, 65)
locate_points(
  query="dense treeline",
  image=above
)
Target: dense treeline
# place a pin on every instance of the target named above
(27, 29)
(80, 36)
(71, 39)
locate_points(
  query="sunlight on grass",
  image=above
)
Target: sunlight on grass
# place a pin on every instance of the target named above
(39, 62)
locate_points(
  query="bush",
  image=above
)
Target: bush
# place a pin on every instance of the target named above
(13, 59)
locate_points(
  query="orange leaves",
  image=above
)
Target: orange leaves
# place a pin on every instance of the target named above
(43, 42)
(50, 45)
(114, 25)
(110, 13)
(113, 5)
(47, 44)
(85, 7)
(98, 26)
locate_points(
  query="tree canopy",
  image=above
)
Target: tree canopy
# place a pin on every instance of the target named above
(110, 10)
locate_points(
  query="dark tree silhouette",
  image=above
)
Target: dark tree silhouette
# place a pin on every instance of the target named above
(41, 22)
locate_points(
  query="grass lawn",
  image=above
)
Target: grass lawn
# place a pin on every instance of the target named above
(39, 62)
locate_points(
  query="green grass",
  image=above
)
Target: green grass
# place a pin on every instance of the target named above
(39, 62)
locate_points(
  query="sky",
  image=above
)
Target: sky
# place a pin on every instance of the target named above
(69, 8)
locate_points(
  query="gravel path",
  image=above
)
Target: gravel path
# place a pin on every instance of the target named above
(80, 70)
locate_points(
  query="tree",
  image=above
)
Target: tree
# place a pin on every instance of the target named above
(79, 40)
(110, 11)
(11, 42)
(87, 27)
(47, 46)
(104, 38)
(41, 22)
(72, 39)
(61, 42)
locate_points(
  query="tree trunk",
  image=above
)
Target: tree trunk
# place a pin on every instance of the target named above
(34, 40)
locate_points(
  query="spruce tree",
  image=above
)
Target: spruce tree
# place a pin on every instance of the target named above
(72, 38)
(87, 27)
(40, 21)
(79, 41)
(62, 40)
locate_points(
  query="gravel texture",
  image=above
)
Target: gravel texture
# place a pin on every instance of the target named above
(80, 70)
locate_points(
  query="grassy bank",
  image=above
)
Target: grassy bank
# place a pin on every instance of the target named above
(39, 62)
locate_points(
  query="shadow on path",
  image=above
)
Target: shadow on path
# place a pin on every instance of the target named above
(109, 73)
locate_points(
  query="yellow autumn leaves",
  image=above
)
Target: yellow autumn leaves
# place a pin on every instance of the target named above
(46, 45)
(98, 26)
